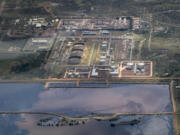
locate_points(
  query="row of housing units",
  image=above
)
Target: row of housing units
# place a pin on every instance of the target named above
(120, 23)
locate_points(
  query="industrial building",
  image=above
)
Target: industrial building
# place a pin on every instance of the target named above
(105, 71)
(136, 69)
(76, 53)
(122, 23)
(78, 72)
(38, 22)
(136, 23)
(106, 46)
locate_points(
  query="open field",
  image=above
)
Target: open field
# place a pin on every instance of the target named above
(8, 48)
(177, 94)
(171, 44)
(164, 55)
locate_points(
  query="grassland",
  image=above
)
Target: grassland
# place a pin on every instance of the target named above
(164, 53)
(171, 44)
(178, 120)
(89, 49)
(177, 95)
(24, 66)
(96, 7)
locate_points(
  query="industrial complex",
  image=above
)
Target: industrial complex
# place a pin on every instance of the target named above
(82, 47)
(90, 64)
(97, 48)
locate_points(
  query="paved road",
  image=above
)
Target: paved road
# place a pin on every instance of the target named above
(91, 79)
(150, 34)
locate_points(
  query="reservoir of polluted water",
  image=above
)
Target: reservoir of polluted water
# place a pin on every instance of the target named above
(119, 98)
(27, 125)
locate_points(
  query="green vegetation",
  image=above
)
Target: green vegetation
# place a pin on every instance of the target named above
(28, 65)
(87, 54)
(127, 7)
(69, 121)
(164, 54)
(178, 120)
(133, 122)
(177, 95)
(29, 62)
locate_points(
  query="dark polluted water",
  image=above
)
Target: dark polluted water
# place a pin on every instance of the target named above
(27, 125)
(119, 98)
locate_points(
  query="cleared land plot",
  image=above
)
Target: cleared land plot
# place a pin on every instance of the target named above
(172, 44)
(11, 49)
(88, 53)
(165, 56)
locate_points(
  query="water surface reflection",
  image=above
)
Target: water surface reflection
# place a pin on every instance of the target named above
(118, 98)
(26, 125)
